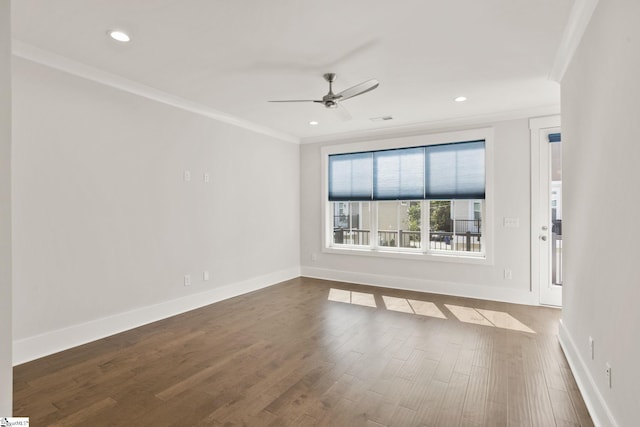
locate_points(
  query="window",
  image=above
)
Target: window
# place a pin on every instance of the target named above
(351, 223)
(452, 228)
(416, 200)
(455, 226)
(399, 224)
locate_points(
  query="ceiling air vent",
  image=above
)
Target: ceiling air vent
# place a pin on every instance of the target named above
(381, 119)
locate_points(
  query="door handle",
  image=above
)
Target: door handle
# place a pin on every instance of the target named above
(543, 238)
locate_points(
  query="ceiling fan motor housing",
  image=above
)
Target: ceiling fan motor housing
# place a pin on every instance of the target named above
(329, 99)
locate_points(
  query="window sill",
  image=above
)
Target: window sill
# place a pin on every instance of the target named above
(462, 258)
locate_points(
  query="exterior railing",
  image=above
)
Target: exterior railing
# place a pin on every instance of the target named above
(461, 226)
(438, 240)
(351, 237)
(404, 239)
(443, 240)
(455, 235)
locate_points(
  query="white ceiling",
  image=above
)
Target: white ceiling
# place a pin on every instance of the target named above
(234, 55)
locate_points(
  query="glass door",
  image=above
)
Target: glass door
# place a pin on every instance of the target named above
(550, 217)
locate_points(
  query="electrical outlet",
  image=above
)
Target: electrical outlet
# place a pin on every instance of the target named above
(608, 373)
(591, 349)
(205, 276)
(205, 177)
(187, 280)
(187, 176)
(508, 275)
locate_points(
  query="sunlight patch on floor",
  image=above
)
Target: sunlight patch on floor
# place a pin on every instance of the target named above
(479, 316)
(403, 305)
(504, 320)
(350, 297)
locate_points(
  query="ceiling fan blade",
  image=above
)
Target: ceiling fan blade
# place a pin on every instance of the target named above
(358, 89)
(342, 112)
(298, 100)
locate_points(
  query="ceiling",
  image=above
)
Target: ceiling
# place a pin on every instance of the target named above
(234, 55)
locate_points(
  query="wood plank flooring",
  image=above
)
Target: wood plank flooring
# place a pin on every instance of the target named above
(309, 352)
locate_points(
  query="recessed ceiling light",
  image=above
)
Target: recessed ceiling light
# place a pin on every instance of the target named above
(313, 123)
(460, 99)
(119, 35)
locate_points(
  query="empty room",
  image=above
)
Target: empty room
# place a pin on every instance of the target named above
(296, 213)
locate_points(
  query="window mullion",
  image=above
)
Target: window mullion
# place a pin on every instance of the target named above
(398, 209)
(454, 239)
(373, 239)
(425, 234)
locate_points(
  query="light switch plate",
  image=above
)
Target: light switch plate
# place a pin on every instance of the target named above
(511, 222)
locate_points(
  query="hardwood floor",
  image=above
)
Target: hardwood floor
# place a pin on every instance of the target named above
(310, 352)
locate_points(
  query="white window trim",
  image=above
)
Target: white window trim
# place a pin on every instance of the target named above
(487, 134)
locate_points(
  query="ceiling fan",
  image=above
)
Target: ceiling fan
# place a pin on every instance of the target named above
(332, 100)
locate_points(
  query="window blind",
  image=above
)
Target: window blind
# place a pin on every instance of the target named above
(350, 176)
(445, 171)
(455, 171)
(555, 137)
(398, 174)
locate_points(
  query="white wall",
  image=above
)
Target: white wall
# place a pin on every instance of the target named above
(6, 371)
(511, 245)
(105, 228)
(601, 139)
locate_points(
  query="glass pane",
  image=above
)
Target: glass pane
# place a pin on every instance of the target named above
(440, 225)
(399, 224)
(456, 225)
(556, 213)
(410, 224)
(467, 225)
(388, 224)
(351, 223)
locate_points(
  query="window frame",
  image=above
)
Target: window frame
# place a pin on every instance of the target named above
(485, 258)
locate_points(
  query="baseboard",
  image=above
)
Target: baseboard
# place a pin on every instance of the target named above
(27, 349)
(598, 409)
(492, 293)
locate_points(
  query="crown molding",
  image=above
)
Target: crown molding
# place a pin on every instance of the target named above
(579, 18)
(437, 125)
(61, 63)
(34, 54)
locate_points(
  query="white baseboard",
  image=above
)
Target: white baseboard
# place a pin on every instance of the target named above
(598, 409)
(27, 349)
(493, 293)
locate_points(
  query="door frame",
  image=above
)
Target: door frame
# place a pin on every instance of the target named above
(538, 127)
